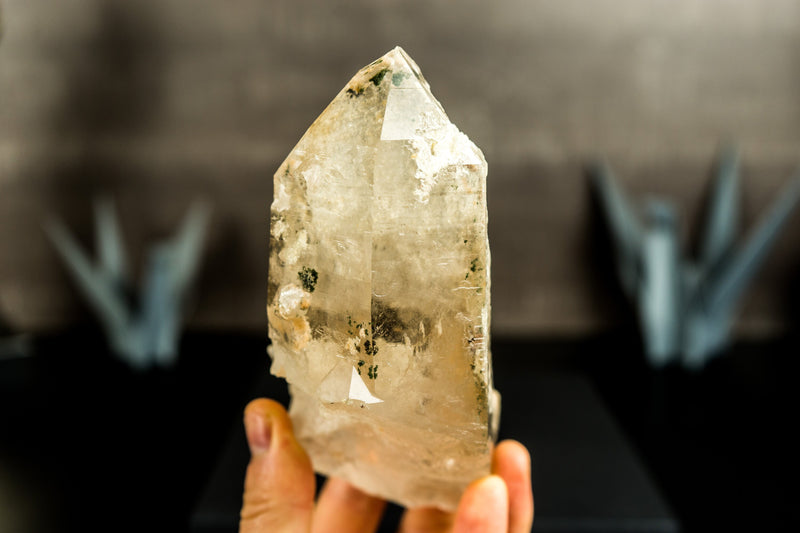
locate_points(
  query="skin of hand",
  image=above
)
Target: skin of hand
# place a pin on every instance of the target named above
(280, 486)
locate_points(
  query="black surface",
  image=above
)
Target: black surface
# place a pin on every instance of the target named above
(97, 447)
(722, 442)
(88, 445)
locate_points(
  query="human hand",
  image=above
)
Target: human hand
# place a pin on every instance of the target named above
(280, 485)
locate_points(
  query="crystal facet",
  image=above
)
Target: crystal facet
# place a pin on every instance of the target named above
(378, 297)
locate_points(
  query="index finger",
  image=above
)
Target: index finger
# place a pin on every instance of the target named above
(342, 508)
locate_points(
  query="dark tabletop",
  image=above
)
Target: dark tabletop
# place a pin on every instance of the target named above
(87, 444)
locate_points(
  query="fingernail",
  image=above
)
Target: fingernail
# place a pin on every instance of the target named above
(259, 433)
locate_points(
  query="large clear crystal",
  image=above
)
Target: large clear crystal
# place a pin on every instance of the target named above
(378, 295)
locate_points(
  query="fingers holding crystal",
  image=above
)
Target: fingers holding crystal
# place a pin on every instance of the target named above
(279, 484)
(512, 462)
(342, 508)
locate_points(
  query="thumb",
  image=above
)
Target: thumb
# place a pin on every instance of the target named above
(279, 485)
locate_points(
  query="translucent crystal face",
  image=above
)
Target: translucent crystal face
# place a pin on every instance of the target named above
(378, 297)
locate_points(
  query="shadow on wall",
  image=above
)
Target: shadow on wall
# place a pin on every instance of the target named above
(606, 290)
(112, 91)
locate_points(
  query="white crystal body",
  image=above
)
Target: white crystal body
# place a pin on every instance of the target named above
(378, 296)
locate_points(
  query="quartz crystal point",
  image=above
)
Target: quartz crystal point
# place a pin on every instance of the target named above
(378, 297)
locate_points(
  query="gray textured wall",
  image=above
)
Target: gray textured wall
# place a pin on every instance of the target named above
(162, 101)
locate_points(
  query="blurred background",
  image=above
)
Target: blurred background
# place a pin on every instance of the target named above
(157, 103)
